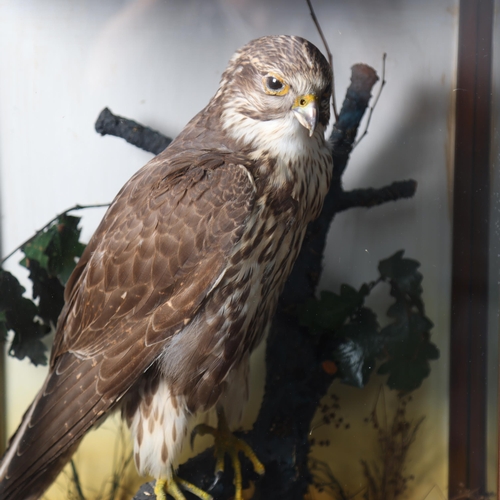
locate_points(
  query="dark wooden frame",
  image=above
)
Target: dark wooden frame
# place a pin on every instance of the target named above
(3, 409)
(469, 297)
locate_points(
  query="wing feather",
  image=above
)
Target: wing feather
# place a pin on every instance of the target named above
(160, 249)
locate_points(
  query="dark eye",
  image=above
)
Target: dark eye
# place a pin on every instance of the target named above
(274, 84)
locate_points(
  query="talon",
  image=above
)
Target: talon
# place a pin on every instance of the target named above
(226, 442)
(171, 487)
(160, 489)
(186, 485)
(218, 477)
(250, 454)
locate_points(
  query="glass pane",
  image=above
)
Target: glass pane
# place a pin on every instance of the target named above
(159, 63)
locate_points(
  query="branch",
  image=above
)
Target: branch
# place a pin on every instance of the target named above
(372, 108)
(295, 380)
(329, 54)
(363, 78)
(307, 270)
(136, 134)
(370, 197)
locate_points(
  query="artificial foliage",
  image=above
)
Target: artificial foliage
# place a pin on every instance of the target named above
(50, 256)
(354, 340)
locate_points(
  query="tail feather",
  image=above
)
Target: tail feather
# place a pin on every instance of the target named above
(31, 486)
(65, 408)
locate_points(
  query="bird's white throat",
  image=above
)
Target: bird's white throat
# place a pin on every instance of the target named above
(283, 139)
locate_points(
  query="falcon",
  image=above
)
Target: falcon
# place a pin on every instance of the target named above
(180, 281)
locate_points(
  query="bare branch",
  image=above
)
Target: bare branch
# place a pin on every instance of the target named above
(371, 197)
(329, 54)
(370, 113)
(143, 137)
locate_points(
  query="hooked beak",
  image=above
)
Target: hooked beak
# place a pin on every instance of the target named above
(306, 110)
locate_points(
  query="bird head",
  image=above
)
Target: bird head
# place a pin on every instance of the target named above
(276, 91)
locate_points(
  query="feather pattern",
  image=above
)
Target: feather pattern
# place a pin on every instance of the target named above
(180, 281)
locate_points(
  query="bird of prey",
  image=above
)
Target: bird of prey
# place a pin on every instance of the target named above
(181, 279)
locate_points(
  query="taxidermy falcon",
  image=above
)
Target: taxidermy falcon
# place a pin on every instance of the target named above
(181, 279)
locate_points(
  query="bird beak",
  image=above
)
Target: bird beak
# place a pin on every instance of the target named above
(306, 110)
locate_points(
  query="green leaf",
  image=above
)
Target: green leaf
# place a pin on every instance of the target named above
(56, 248)
(420, 324)
(3, 326)
(405, 375)
(403, 272)
(359, 344)
(403, 345)
(34, 349)
(407, 343)
(397, 310)
(50, 292)
(65, 248)
(35, 249)
(430, 351)
(50, 257)
(331, 310)
(20, 316)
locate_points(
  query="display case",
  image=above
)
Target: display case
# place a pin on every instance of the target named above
(432, 431)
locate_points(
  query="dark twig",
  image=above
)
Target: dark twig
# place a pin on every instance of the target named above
(76, 481)
(62, 214)
(325, 480)
(328, 53)
(377, 97)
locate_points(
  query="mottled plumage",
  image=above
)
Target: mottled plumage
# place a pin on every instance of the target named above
(180, 281)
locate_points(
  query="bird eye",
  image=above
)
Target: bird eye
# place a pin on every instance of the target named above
(274, 85)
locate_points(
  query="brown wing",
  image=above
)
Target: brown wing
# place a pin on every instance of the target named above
(158, 252)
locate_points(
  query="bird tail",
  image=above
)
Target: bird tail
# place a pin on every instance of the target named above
(66, 407)
(18, 479)
(73, 399)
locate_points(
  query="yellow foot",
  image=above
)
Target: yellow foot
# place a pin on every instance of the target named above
(171, 487)
(226, 442)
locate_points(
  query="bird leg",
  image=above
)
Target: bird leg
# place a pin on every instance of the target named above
(173, 485)
(226, 442)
